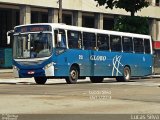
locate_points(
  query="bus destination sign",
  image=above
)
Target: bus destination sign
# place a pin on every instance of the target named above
(33, 28)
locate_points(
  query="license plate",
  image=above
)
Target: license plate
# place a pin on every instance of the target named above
(31, 72)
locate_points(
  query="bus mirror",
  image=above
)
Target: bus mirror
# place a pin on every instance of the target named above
(9, 34)
(29, 38)
(8, 39)
(59, 37)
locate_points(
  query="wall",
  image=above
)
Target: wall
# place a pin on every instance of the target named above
(84, 5)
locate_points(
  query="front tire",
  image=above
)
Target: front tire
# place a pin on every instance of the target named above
(73, 75)
(40, 80)
(96, 79)
(126, 75)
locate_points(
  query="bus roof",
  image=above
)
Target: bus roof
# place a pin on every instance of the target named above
(85, 29)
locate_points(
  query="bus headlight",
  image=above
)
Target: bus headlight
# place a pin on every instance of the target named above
(49, 69)
(15, 71)
(49, 65)
(15, 68)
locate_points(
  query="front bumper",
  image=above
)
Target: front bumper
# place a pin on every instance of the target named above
(47, 71)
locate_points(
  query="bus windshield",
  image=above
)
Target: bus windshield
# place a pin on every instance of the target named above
(34, 45)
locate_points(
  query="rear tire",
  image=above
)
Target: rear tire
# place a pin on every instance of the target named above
(126, 75)
(96, 79)
(40, 80)
(73, 75)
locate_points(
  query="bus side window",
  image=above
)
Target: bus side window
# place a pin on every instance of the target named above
(63, 39)
(127, 44)
(89, 41)
(138, 45)
(115, 42)
(147, 47)
(103, 42)
(74, 40)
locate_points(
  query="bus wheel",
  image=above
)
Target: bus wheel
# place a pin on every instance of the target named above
(40, 80)
(73, 75)
(126, 75)
(96, 79)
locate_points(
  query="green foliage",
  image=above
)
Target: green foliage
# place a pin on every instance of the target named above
(131, 6)
(132, 24)
(108, 3)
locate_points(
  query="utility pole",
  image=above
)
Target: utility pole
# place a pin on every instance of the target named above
(60, 11)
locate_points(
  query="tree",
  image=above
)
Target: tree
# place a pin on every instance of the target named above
(132, 24)
(131, 6)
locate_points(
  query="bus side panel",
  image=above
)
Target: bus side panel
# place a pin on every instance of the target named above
(81, 57)
(61, 65)
(146, 66)
(101, 63)
(149, 64)
(130, 60)
(107, 63)
(140, 64)
(72, 56)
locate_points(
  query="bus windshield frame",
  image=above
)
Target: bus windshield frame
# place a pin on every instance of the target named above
(32, 45)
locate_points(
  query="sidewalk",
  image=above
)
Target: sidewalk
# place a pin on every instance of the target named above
(155, 76)
(6, 70)
(6, 73)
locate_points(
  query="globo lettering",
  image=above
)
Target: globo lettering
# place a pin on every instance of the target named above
(98, 58)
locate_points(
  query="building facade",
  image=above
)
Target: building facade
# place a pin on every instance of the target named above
(75, 12)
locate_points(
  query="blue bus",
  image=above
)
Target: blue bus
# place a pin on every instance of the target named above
(52, 50)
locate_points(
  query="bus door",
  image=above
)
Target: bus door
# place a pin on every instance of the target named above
(100, 63)
(89, 45)
(86, 63)
(99, 57)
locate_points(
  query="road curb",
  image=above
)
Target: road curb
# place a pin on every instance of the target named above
(155, 76)
(6, 70)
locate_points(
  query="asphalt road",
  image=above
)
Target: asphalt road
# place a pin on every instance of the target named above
(24, 98)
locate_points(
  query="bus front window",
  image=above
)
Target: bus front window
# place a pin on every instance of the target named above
(37, 45)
